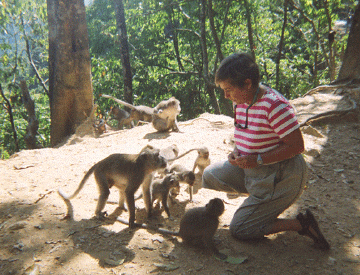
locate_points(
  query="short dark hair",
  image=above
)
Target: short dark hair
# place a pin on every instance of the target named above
(236, 68)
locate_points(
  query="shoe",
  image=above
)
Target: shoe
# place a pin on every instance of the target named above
(308, 220)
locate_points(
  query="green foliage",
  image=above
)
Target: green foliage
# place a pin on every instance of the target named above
(155, 31)
(21, 21)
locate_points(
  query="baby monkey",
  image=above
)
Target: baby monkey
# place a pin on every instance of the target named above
(202, 160)
(185, 176)
(197, 226)
(160, 190)
(127, 172)
(123, 118)
(100, 127)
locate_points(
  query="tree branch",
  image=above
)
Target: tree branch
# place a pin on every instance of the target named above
(28, 52)
(8, 108)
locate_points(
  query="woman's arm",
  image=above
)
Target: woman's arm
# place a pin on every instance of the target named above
(290, 146)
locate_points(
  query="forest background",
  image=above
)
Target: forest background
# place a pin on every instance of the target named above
(175, 48)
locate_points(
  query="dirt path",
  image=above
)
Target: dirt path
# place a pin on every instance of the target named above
(32, 232)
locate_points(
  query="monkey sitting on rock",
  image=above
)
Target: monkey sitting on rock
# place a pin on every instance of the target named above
(165, 115)
(197, 227)
(127, 172)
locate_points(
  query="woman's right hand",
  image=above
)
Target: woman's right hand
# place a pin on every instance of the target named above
(233, 156)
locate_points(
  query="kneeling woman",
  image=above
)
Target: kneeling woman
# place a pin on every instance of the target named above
(266, 163)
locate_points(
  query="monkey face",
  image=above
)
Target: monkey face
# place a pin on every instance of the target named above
(190, 178)
(215, 207)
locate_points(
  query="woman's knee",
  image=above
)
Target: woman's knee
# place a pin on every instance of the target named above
(208, 178)
(243, 232)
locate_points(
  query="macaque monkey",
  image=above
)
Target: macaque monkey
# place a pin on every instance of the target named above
(127, 172)
(100, 127)
(123, 117)
(185, 176)
(139, 113)
(202, 160)
(197, 226)
(173, 193)
(160, 190)
(165, 115)
(169, 152)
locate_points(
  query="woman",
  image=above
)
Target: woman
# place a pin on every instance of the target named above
(266, 163)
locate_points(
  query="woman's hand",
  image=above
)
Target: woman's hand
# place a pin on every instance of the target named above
(246, 161)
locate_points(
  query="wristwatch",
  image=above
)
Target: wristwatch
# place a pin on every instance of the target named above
(259, 160)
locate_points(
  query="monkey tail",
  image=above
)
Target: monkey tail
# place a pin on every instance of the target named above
(119, 101)
(187, 152)
(81, 185)
(166, 232)
(146, 226)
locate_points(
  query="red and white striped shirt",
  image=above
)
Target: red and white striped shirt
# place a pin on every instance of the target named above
(269, 119)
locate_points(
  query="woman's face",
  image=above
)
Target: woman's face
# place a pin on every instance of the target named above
(236, 94)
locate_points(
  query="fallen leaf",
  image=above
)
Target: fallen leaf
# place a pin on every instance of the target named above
(114, 262)
(32, 270)
(166, 267)
(233, 260)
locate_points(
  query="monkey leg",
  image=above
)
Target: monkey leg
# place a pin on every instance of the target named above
(191, 192)
(117, 212)
(165, 205)
(130, 200)
(147, 195)
(210, 246)
(104, 195)
(122, 199)
(175, 127)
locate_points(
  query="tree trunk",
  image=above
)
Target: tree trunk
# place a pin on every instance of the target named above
(205, 70)
(225, 103)
(331, 44)
(350, 68)
(33, 123)
(281, 43)
(70, 88)
(8, 107)
(124, 50)
(250, 31)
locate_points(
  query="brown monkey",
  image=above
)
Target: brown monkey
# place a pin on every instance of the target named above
(170, 152)
(173, 193)
(123, 117)
(100, 127)
(197, 226)
(185, 176)
(202, 161)
(127, 172)
(160, 190)
(139, 113)
(165, 115)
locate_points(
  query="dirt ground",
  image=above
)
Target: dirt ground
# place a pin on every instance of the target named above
(33, 236)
